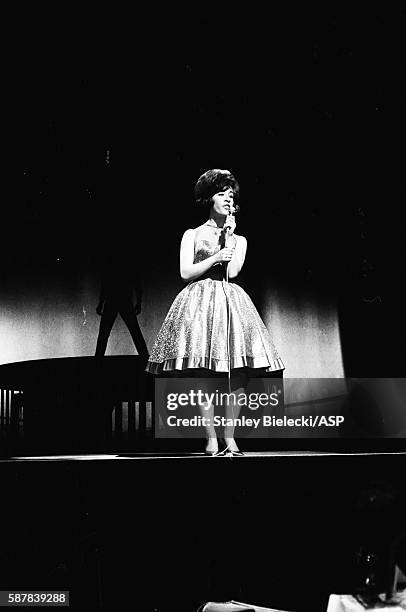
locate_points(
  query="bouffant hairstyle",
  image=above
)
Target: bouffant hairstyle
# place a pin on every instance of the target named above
(212, 182)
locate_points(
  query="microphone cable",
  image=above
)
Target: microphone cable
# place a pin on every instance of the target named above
(225, 283)
(227, 294)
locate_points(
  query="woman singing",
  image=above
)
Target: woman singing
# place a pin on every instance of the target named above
(212, 327)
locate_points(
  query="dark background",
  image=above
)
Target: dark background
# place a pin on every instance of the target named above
(108, 120)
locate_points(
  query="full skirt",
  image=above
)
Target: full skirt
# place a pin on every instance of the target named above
(213, 325)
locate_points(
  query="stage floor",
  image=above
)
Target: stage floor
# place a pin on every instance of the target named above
(102, 524)
(201, 456)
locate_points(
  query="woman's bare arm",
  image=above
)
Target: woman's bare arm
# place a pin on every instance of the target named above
(189, 270)
(238, 258)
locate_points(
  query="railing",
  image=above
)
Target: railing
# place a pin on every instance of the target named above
(131, 424)
(11, 419)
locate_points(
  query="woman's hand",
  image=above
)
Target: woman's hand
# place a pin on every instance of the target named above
(224, 255)
(230, 224)
(237, 262)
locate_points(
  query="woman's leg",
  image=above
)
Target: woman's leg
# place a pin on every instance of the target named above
(232, 411)
(207, 412)
(238, 385)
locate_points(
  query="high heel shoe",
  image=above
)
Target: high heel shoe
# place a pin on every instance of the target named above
(211, 452)
(226, 450)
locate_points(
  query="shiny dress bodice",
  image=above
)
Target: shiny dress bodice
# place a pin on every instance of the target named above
(207, 243)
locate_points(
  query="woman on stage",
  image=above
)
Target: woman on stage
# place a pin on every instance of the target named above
(212, 328)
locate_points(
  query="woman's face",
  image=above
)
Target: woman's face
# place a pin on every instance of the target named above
(223, 202)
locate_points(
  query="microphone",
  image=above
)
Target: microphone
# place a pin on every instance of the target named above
(227, 228)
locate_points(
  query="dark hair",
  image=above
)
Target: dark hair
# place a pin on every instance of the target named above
(213, 181)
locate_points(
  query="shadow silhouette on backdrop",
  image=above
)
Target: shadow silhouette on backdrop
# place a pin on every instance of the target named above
(120, 293)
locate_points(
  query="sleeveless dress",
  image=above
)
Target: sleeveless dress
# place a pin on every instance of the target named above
(208, 317)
